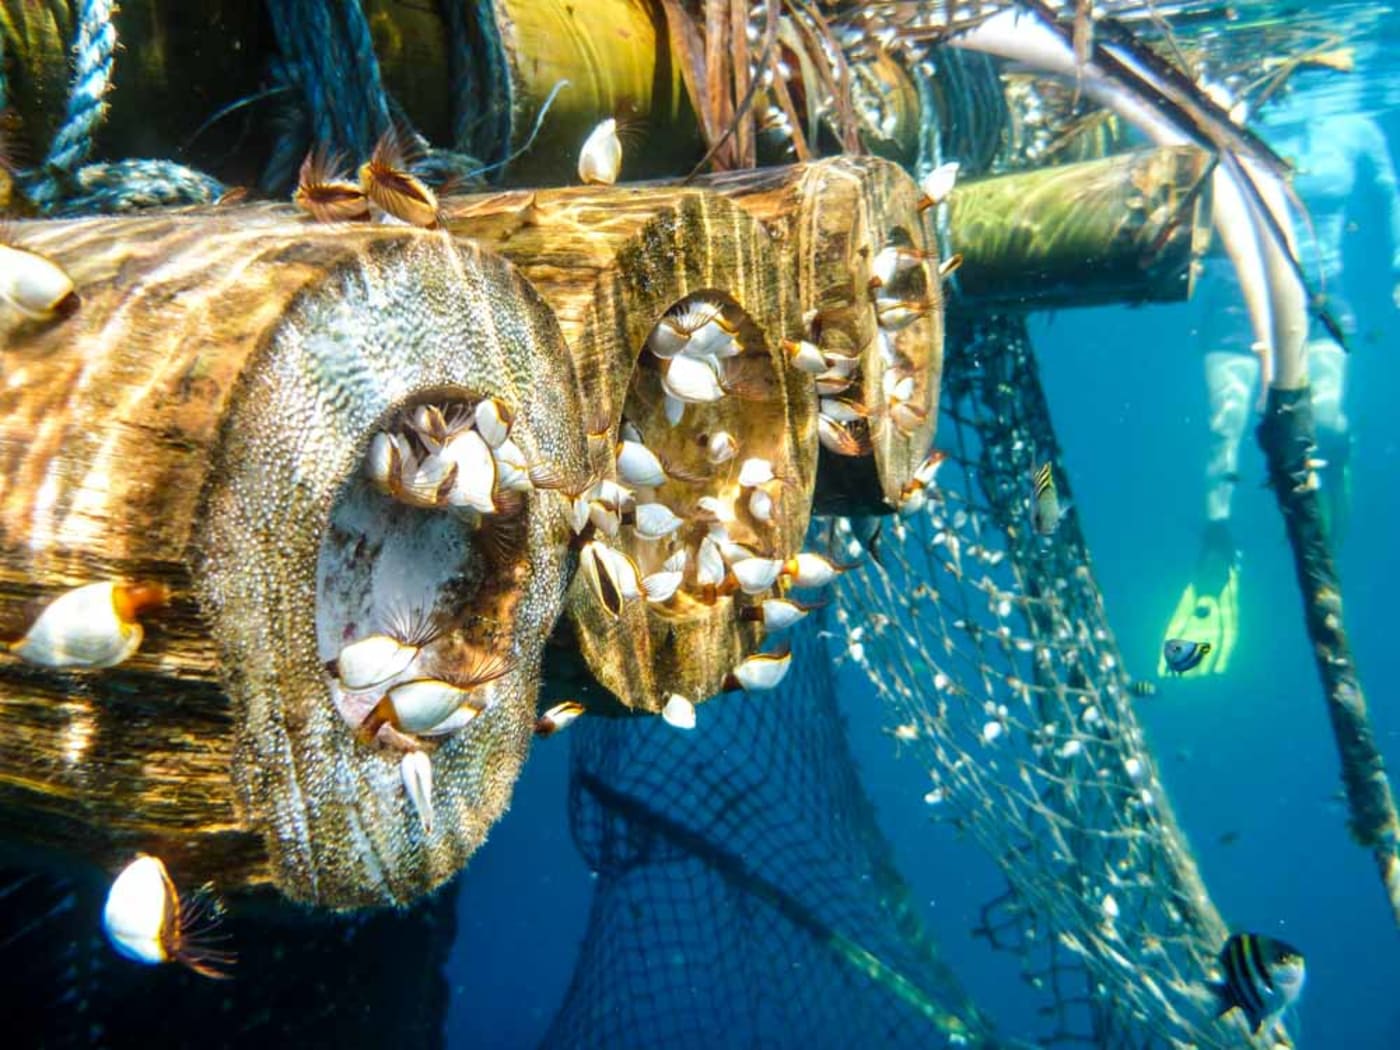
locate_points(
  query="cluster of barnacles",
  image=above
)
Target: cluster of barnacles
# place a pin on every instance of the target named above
(404, 683)
(697, 548)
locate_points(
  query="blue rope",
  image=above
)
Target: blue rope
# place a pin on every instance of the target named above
(63, 184)
(94, 51)
(328, 59)
(129, 185)
(332, 61)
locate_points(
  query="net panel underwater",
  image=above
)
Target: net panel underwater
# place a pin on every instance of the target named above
(740, 869)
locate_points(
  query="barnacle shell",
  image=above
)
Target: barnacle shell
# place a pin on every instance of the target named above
(81, 628)
(140, 905)
(600, 160)
(34, 285)
(852, 215)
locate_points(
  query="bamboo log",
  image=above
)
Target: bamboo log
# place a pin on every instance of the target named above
(616, 56)
(1288, 438)
(202, 421)
(1120, 230)
(830, 220)
(175, 70)
(612, 263)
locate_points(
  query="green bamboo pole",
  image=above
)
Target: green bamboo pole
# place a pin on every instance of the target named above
(1121, 229)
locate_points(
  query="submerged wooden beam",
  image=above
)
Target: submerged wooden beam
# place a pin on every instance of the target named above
(1288, 438)
(1120, 230)
(202, 421)
(612, 263)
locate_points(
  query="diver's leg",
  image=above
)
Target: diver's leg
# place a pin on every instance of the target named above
(1208, 608)
(1230, 382)
(1327, 372)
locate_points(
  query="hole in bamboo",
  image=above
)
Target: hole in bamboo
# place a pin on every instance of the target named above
(438, 578)
(688, 643)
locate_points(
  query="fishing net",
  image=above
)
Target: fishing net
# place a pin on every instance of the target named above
(990, 648)
(744, 894)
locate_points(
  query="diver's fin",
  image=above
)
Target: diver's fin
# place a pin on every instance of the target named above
(1228, 603)
(1212, 620)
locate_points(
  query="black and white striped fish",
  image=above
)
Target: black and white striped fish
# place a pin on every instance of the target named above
(1263, 977)
(1046, 508)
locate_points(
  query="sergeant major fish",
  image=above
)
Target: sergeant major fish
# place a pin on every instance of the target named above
(1046, 509)
(1263, 977)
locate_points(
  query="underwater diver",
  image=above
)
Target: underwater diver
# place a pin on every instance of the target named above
(1338, 153)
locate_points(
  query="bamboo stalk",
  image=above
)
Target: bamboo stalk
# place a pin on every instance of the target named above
(1287, 436)
(830, 219)
(174, 71)
(202, 421)
(611, 263)
(1120, 230)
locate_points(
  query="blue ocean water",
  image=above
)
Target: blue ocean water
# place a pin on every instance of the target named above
(1248, 757)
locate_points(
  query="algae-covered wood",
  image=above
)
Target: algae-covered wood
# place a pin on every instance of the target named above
(831, 220)
(201, 420)
(1122, 229)
(612, 263)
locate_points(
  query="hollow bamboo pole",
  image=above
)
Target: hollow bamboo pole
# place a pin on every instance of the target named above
(474, 83)
(1288, 437)
(612, 263)
(1124, 229)
(201, 421)
(830, 220)
(617, 58)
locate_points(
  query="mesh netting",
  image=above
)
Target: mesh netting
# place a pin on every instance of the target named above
(744, 895)
(991, 649)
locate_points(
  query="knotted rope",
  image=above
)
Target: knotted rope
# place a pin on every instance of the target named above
(62, 184)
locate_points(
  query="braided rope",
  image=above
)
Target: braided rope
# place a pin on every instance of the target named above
(94, 51)
(130, 185)
(64, 184)
(332, 61)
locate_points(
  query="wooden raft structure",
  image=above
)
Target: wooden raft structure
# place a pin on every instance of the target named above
(203, 419)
